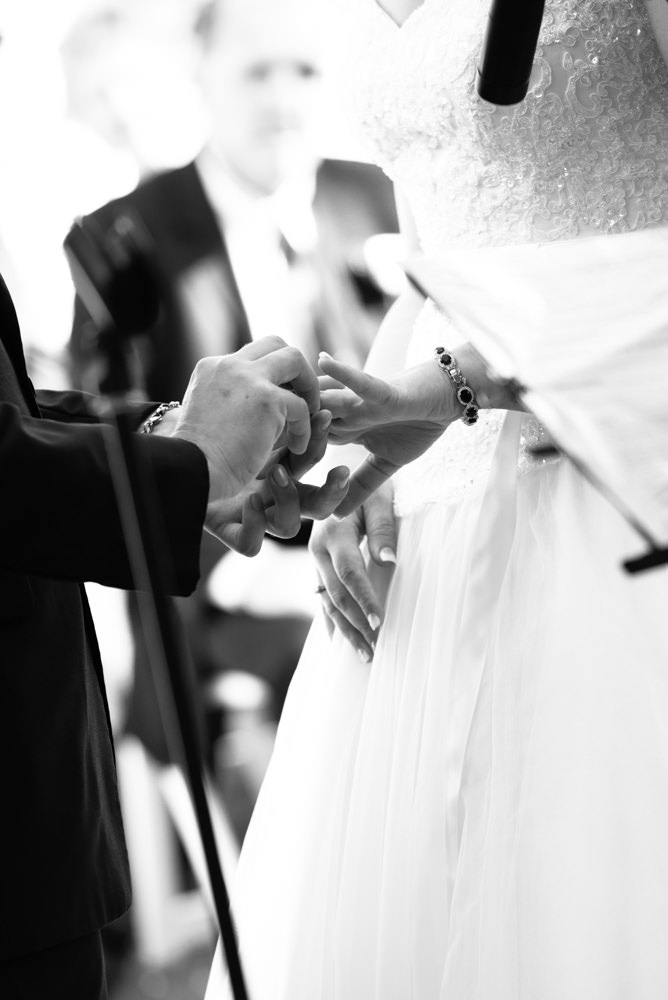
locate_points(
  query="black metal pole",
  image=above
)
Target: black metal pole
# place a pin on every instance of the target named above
(115, 277)
(149, 561)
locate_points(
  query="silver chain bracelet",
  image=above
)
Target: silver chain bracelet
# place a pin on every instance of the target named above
(158, 414)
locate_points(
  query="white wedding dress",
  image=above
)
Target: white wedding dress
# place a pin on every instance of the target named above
(483, 811)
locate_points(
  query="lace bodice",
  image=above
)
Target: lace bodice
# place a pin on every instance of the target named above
(585, 153)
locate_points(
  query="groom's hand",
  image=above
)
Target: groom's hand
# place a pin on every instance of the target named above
(277, 502)
(240, 407)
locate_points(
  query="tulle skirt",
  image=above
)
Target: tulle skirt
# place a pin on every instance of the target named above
(482, 812)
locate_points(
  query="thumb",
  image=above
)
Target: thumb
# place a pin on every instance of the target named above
(371, 474)
(381, 527)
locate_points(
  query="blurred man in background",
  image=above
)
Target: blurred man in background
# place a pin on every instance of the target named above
(258, 235)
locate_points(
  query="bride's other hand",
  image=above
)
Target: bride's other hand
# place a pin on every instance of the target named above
(395, 419)
(350, 600)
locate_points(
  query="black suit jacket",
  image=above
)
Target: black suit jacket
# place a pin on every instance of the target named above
(63, 865)
(352, 202)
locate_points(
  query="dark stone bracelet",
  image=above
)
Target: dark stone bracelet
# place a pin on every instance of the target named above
(465, 394)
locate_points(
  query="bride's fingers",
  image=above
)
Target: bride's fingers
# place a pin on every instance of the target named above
(367, 386)
(335, 620)
(349, 592)
(339, 402)
(327, 382)
(365, 480)
(356, 598)
(343, 613)
(343, 431)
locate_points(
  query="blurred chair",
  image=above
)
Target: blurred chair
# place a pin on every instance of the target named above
(168, 918)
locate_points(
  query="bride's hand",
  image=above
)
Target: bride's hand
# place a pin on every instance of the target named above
(350, 601)
(276, 502)
(395, 419)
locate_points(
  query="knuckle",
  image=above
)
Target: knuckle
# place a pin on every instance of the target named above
(348, 575)
(293, 354)
(347, 607)
(339, 598)
(263, 401)
(318, 510)
(275, 342)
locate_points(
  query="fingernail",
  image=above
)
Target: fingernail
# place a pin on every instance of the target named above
(387, 555)
(256, 502)
(326, 421)
(280, 476)
(343, 481)
(364, 655)
(374, 622)
(324, 354)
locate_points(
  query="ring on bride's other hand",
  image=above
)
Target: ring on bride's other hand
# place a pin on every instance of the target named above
(320, 589)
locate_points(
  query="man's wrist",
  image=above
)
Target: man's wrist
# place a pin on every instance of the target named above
(167, 424)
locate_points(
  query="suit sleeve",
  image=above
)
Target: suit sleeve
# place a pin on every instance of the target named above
(58, 512)
(73, 406)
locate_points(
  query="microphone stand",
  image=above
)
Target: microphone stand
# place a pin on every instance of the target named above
(150, 565)
(167, 653)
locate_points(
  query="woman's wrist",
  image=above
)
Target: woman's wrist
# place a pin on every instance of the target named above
(490, 394)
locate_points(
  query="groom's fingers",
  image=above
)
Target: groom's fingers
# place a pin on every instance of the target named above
(259, 348)
(288, 367)
(246, 535)
(297, 429)
(365, 480)
(299, 465)
(318, 502)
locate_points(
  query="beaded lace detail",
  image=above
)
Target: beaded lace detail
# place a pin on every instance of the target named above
(586, 153)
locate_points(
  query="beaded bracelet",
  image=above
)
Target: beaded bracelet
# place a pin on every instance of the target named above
(157, 415)
(447, 361)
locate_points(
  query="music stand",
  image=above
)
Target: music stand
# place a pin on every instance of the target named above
(579, 331)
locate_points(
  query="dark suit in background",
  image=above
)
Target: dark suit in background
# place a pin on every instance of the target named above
(202, 314)
(63, 865)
